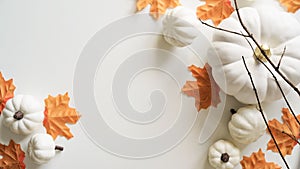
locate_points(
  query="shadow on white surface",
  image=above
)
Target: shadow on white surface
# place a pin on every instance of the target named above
(7, 135)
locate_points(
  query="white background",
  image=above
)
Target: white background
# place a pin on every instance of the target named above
(40, 42)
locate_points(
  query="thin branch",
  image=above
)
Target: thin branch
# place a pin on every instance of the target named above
(278, 65)
(281, 91)
(277, 83)
(262, 113)
(291, 136)
(263, 52)
(276, 68)
(222, 29)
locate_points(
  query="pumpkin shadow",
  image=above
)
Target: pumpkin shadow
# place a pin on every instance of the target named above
(7, 135)
(32, 165)
(163, 45)
(208, 166)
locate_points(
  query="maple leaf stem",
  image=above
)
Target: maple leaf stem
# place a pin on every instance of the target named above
(292, 137)
(262, 112)
(264, 53)
(222, 29)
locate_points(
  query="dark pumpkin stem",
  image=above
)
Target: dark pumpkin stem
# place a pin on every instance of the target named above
(59, 148)
(18, 115)
(225, 157)
(233, 111)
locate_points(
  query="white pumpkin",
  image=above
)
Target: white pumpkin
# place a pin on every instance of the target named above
(41, 148)
(223, 155)
(246, 125)
(23, 114)
(179, 26)
(274, 29)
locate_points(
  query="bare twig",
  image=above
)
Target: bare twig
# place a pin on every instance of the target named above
(262, 113)
(275, 67)
(222, 29)
(263, 52)
(278, 65)
(281, 91)
(277, 82)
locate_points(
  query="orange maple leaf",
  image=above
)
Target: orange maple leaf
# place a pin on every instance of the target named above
(7, 89)
(204, 90)
(158, 7)
(12, 156)
(57, 114)
(285, 134)
(257, 161)
(291, 5)
(216, 10)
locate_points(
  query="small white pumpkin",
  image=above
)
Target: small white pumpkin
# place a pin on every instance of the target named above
(41, 148)
(23, 114)
(179, 26)
(246, 125)
(229, 49)
(223, 155)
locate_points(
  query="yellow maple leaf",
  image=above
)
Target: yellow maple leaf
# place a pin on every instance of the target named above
(158, 7)
(291, 5)
(216, 10)
(257, 161)
(57, 114)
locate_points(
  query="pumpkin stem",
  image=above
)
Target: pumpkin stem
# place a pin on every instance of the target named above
(59, 148)
(18, 115)
(225, 157)
(262, 51)
(233, 111)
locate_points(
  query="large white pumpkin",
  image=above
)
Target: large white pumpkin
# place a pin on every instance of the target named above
(23, 114)
(274, 29)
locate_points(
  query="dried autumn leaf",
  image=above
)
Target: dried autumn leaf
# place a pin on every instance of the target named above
(158, 7)
(191, 89)
(283, 133)
(7, 89)
(57, 114)
(204, 90)
(12, 156)
(291, 5)
(216, 10)
(257, 161)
